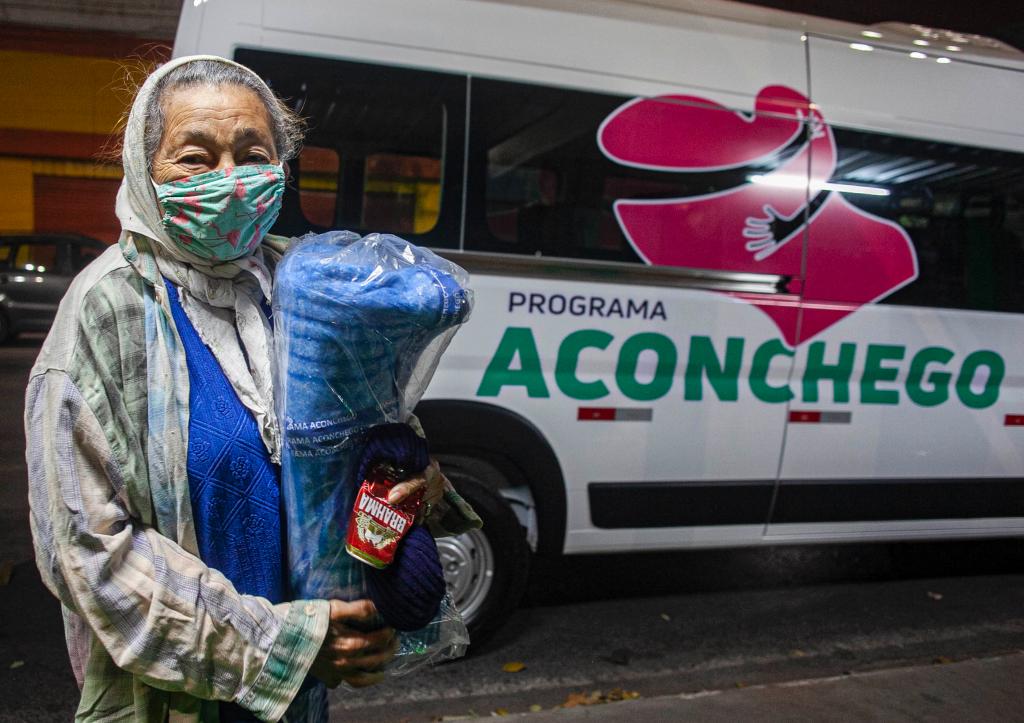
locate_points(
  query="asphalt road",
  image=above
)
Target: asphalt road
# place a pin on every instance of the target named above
(646, 625)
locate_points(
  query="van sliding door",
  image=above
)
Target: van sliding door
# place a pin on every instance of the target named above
(640, 315)
(908, 400)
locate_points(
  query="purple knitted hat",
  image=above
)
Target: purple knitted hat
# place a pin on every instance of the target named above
(408, 592)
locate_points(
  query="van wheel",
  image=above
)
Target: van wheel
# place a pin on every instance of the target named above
(485, 569)
(5, 329)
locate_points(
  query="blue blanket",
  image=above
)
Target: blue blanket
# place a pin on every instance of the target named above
(359, 327)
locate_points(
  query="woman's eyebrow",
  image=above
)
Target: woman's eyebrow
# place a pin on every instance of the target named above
(199, 136)
(202, 136)
(251, 134)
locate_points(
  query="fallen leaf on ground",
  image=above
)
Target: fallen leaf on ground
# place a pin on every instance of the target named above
(942, 660)
(797, 653)
(513, 667)
(574, 699)
(535, 708)
(17, 664)
(500, 712)
(935, 595)
(6, 570)
(596, 697)
(666, 617)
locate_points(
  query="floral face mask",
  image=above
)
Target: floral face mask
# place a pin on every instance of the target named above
(222, 215)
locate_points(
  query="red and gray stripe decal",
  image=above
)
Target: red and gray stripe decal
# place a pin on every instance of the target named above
(812, 416)
(798, 416)
(615, 414)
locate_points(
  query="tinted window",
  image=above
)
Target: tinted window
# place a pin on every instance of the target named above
(82, 256)
(39, 258)
(318, 191)
(385, 147)
(540, 184)
(961, 206)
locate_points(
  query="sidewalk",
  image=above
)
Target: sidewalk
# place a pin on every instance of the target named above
(987, 689)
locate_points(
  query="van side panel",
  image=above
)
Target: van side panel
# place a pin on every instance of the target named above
(626, 399)
(740, 298)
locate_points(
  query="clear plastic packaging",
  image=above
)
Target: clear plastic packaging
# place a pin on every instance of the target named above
(360, 324)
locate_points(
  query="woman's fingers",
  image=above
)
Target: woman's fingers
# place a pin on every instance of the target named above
(354, 643)
(430, 480)
(358, 612)
(371, 661)
(362, 658)
(366, 642)
(362, 679)
(348, 658)
(350, 653)
(403, 490)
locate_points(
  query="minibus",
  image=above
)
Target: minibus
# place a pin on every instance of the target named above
(743, 277)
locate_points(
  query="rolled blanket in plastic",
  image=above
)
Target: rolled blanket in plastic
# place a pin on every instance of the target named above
(360, 324)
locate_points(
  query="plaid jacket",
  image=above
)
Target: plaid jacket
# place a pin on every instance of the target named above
(153, 633)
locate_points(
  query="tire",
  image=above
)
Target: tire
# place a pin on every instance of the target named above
(485, 569)
(5, 329)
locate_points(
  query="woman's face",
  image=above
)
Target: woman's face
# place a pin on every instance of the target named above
(208, 128)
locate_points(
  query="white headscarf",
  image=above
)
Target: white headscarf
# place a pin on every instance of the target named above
(221, 299)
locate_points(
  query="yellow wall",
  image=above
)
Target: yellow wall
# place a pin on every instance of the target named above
(16, 207)
(48, 92)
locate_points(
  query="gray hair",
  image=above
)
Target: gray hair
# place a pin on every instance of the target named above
(286, 126)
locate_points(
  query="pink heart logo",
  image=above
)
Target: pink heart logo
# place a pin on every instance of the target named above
(853, 258)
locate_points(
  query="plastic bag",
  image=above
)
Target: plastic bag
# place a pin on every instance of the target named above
(359, 326)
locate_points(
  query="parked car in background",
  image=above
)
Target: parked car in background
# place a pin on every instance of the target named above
(35, 271)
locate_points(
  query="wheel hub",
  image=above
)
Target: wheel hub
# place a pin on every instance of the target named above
(468, 564)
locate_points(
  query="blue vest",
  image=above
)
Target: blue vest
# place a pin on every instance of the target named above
(233, 485)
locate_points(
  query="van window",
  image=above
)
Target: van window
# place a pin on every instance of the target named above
(380, 144)
(402, 192)
(318, 187)
(961, 206)
(539, 183)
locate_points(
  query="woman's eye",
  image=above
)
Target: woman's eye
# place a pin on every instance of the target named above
(256, 158)
(193, 159)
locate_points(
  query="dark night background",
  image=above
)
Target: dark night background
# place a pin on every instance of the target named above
(1002, 20)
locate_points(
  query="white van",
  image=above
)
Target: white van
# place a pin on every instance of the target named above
(743, 277)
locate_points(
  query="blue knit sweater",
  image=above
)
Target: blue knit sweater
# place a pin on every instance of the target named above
(233, 485)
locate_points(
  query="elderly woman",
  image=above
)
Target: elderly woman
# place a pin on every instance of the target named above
(153, 450)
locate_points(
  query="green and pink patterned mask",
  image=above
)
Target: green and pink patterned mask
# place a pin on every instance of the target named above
(222, 215)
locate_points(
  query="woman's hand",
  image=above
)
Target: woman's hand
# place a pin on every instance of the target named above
(430, 480)
(349, 654)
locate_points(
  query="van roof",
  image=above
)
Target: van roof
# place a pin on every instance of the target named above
(899, 35)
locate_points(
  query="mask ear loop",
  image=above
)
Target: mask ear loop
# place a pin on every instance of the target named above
(156, 197)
